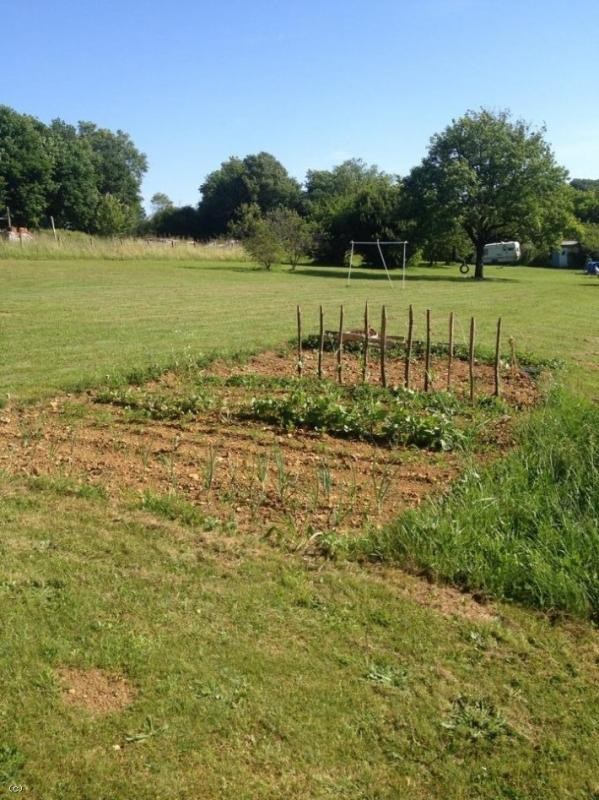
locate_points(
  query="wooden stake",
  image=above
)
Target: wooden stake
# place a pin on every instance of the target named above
(299, 342)
(53, 228)
(8, 220)
(406, 380)
(320, 344)
(340, 347)
(513, 358)
(450, 352)
(497, 357)
(471, 358)
(383, 347)
(427, 355)
(366, 339)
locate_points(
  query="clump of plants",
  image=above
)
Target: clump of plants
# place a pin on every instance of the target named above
(361, 413)
(156, 406)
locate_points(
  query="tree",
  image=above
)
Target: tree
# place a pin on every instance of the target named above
(496, 178)
(257, 179)
(113, 216)
(352, 201)
(74, 196)
(589, 239)
(25, 167)
(294, 233)
(118, 164)
(245, 220)
(585, 197)
(160, 202)
(174, 221)
(263, 244)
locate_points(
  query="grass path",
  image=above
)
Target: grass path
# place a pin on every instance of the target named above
(64, 322)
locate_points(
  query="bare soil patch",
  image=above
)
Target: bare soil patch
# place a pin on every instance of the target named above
(94, 690)
(248, 475)
(517, 387)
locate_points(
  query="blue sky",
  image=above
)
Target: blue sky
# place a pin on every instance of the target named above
(311, 82)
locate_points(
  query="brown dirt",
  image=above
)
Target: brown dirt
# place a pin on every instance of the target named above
(73, 437)
(517, 388)
(94, 690)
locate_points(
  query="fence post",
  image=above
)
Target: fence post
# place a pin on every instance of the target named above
(513, 357)
(471, 358)
(409, 348)
(299, 342)
(383, 346)
(497, 358)
(340, 347)
(366, 338)
(450, 353)
(427, 355)
(320, 344)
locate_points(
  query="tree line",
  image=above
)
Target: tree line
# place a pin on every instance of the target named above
(87, 178)
(486, 177)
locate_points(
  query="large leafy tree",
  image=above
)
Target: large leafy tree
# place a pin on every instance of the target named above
(496, 178)
(585, 197)
(25, 167)
(294, 232)
(119, 166)
(74, 196)
(174, 221)
(257, 179)
(352, 201)
(83, 177)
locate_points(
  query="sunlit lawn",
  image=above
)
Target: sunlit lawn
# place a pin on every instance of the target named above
(62, 322)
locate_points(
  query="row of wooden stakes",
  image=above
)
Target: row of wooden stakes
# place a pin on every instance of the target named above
(381, 340)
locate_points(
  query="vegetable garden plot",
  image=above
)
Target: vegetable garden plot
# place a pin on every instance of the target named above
(250, 448)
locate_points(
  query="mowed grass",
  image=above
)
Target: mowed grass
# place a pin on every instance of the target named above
(63, 323)
(257, 674)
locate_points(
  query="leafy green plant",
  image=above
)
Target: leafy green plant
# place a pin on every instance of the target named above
(361, 414)
(476, 720)
(386, 675)
(155, 406)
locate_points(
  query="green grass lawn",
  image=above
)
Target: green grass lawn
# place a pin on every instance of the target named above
(63, 322)
(257, 672)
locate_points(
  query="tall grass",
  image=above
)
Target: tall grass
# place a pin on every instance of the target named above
(526, 528)
(72, 245)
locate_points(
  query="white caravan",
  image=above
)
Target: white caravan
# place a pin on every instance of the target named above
(501, 253)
